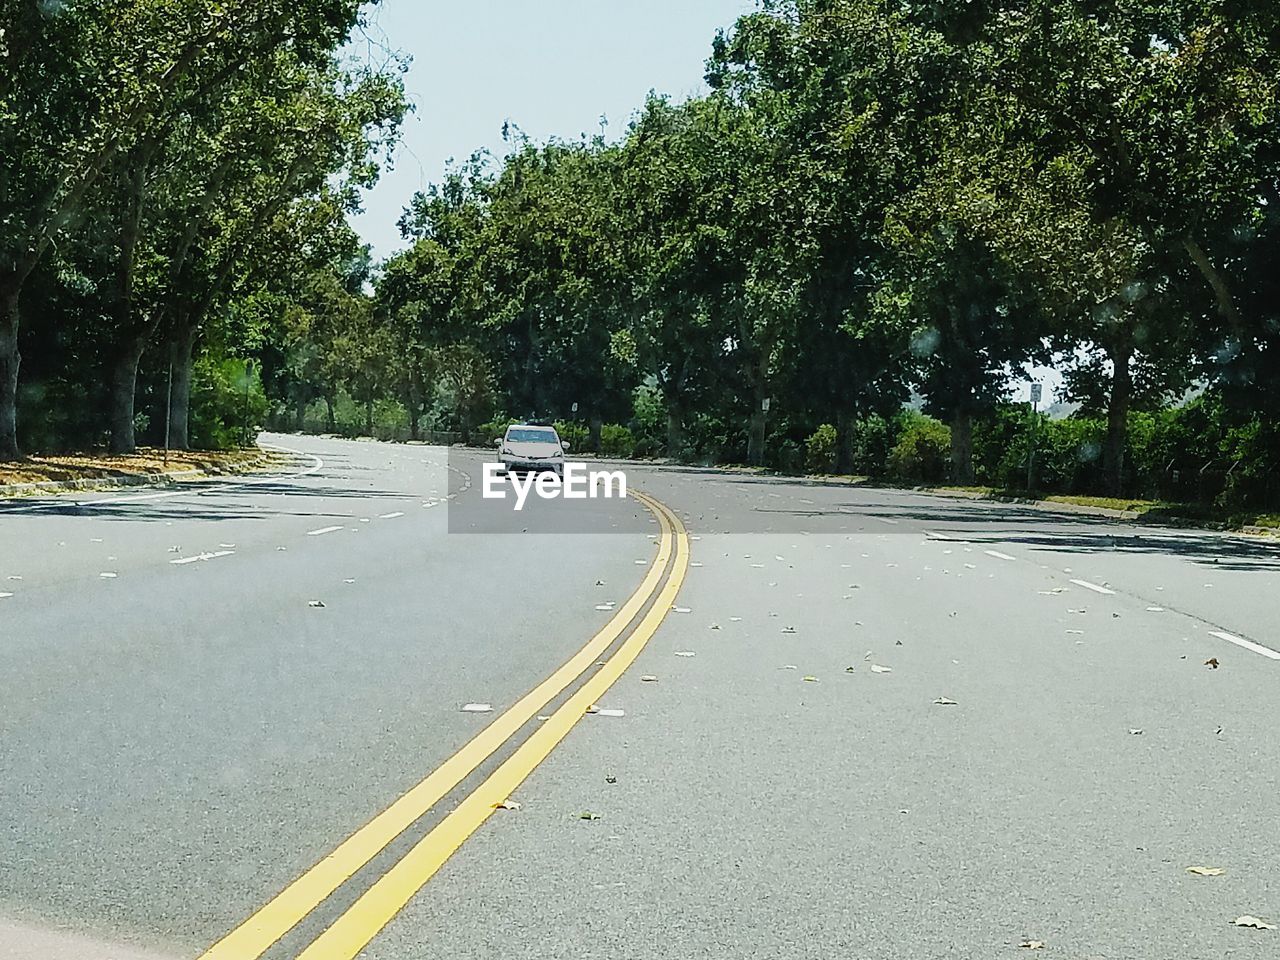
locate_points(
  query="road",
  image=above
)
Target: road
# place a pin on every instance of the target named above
(246, 718)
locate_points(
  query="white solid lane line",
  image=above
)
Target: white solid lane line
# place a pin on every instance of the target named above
(1247, 644)
(998, 555)
(390, 516)
(886, 520)
(322, 531)
(1094, 587)
(937, 536)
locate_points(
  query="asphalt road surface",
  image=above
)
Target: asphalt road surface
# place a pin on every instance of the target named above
(735, 717)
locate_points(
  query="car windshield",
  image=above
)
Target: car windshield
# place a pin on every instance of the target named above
(532, 436)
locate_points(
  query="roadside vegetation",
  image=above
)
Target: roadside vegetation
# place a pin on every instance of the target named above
(839, 260)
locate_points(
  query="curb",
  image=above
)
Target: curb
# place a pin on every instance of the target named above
(169, 478)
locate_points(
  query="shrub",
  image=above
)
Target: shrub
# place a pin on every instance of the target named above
(922, 451)
(616, 441)
(820, 450)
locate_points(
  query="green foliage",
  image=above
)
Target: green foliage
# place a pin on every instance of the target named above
(920, 454)
(820, 450)
(617, 441)
(228, 404)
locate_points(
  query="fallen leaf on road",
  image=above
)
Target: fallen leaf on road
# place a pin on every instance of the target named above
(944, 702)
(876, 668)
(810, 679)
(1206, 871)
(506, 805)
(1247, 921)
(588, 815)
(648, 678)
(1212, 663)
(599, 583)
(898, 644)
(348, 581)
(715, 626)
(789, 666)
(1032, 944)
(477, 708)
(1135, 731)
(543, 719)
(788, 629)
(850, 669)
(315, 603)
(610, 779)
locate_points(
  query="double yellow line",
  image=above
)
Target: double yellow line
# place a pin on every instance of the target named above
(353, 930)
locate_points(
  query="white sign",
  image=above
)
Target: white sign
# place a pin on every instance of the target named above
(764, 404)
(1037, 391)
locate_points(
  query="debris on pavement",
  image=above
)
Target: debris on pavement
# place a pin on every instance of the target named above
(648, 678)
(1032, 944)
(588, 815)
(788, 629)
(607, 713)
(876, 668)
(945, 702)
(810, 679)
(506, 805)
(1206, 871)
(1254, 922)
(685, 653)
(1212, 663)
(610, 779)
(1136, 731)
(315, 603)
(682, 610)
(477, 708)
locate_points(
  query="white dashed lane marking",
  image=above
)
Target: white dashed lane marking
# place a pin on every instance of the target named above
(202, 556)
(391, 516)
(1094, 587)
(1247, 644)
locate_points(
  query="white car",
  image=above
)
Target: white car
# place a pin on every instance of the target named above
(532, 448)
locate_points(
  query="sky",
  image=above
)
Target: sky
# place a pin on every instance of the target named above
(552, 67)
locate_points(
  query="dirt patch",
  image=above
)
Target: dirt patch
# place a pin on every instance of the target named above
(146, 462)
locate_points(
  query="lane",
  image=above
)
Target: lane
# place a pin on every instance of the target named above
(895, 745)
(182, 742)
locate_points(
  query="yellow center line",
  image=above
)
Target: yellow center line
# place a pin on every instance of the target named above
(352, 931)
(283, 912)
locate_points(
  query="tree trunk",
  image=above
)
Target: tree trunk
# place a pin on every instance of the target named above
(1117, 419)
(368, 417)
(331, 421)
(10, 360)
(962, 448)
(124, 384)
(675, 431)
(300, 413)
(755, 439)
(415, 405)
(597, 428)
(844, 443)
(181, 350)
